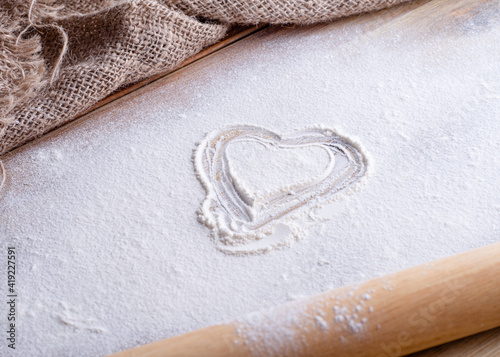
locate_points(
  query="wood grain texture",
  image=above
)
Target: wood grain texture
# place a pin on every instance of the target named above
(486, 344)
(417, 308)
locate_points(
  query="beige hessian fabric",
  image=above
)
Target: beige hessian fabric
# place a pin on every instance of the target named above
(58, 58)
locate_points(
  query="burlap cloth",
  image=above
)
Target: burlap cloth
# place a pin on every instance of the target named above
(58, 58)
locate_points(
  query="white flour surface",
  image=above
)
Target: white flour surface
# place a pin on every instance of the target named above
(104, 216)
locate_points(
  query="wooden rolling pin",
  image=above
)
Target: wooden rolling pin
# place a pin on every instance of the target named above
(391, 316)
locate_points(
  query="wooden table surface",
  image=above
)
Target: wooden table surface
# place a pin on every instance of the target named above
(432, 15)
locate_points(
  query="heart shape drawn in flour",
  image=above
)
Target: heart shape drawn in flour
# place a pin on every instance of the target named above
(244, 214)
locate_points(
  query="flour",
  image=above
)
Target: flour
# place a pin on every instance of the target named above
(262, 169)
(245, 207)
(282, 330)
(104, 215)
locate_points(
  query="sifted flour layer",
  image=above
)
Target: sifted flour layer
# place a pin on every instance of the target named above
(104, 216)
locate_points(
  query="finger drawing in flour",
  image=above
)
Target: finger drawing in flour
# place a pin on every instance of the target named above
(261, 186)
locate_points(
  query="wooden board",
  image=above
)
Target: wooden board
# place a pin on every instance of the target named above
(234, 35)
(430, 303)
(430, 14)
(486, 344)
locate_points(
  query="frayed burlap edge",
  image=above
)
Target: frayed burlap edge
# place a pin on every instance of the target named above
(146, 38)
(23, 70)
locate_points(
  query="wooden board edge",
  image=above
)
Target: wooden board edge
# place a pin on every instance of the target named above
(235, 35)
